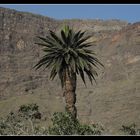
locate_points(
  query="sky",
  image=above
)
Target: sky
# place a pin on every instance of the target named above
(125, 12)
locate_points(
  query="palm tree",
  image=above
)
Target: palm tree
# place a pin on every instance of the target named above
(67, 55)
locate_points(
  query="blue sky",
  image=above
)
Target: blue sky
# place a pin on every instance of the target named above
(129, 12)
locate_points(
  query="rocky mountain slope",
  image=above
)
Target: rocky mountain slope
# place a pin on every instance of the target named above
(114, 101)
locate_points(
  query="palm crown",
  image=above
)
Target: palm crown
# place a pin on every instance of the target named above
(68, 52)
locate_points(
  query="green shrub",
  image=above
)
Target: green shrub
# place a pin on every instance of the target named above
(22, 122)
(30, 111)
(65, 124)
(130, 129)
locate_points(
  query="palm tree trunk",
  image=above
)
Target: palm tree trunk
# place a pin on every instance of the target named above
(69, 92)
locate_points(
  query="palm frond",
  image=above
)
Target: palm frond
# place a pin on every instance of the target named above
(64, 38)
(68, 52)
(82, 76)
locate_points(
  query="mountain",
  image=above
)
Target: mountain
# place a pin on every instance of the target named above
(114, 101)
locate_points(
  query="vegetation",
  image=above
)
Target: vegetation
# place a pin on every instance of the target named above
(130, 129)
(67, 55)
(24, 122)
(65, 124)
(27, 119)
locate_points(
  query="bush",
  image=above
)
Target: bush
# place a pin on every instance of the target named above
(22, 122)
(130, 129)
(30, 111)
(65, 124)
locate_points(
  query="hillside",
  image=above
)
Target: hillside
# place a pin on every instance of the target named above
(114, 101)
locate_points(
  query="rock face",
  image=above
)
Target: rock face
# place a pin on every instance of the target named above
(114, 101)
(18, 51)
